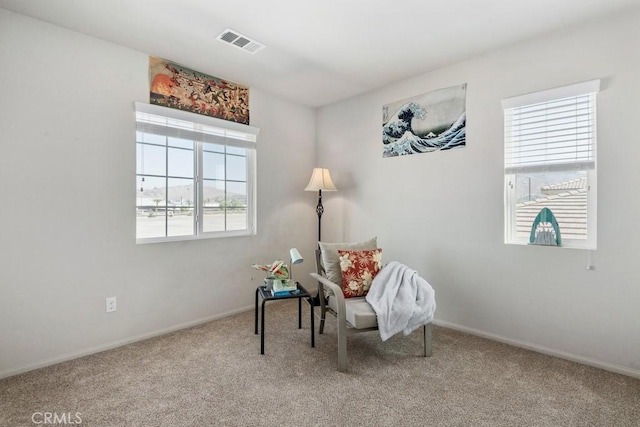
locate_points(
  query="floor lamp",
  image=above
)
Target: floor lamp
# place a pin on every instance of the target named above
(320, 181)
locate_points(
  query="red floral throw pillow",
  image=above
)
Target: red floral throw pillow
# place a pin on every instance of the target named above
(358, 270)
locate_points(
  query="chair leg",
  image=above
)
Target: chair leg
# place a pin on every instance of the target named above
(323, 314)
(427, 340)
(323, 307)
(342, 344)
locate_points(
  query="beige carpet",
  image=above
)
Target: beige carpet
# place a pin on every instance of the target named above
(214, 375)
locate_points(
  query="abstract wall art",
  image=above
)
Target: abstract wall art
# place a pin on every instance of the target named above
(425, 123)
(172, 85)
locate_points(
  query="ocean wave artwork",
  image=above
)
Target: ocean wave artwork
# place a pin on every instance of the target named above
(434, 121)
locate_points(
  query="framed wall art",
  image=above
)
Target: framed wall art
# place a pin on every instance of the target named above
(175, 86)
(429, 122)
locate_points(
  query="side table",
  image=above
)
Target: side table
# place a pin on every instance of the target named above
(266, 295)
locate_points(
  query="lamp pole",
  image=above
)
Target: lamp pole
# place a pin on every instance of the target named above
(319, 211)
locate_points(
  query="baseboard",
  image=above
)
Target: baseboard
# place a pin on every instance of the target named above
(540, 349)
(522, 344)
(119, 343)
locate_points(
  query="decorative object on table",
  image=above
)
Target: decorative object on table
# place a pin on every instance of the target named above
(276, 272)
(277, 279)
(320, 180)
(545, 230)
(294, 258)
(428, 122)
(175, 86)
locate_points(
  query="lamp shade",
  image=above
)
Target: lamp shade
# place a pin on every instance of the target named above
(320, 180)
(295, 256)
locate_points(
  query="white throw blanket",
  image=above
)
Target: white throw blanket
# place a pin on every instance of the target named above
(402, 300)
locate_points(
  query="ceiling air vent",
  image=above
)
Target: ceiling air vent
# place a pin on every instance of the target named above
(240, 41)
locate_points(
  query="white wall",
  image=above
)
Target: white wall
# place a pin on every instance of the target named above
(442, 213)
(67, 169)
(67, 182)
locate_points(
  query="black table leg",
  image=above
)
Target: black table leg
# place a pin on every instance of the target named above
(256, 312)
(262, 329)
(299, 313)
(313, 334)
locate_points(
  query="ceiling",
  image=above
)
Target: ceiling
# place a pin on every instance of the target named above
(318, 52)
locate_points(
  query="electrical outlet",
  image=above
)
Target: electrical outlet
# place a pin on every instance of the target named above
(111, 304)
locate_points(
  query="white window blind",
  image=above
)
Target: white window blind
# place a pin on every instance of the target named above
(551, 130)
(181, 124)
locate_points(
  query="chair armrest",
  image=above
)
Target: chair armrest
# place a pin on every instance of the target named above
(335, 290)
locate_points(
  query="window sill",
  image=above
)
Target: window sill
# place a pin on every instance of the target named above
(565, 245)
(211, 235)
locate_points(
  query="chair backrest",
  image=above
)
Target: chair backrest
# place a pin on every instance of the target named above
(319, 267)
(321, 271)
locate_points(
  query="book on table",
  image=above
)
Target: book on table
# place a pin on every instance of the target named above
(283, 285)
(284, 293)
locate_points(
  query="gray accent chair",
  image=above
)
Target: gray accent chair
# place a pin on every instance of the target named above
(353, 314)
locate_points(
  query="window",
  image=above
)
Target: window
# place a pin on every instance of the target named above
(195, 176)
(550, 161)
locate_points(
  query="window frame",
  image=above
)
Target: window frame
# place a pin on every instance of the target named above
(201, 130)
(589, 165)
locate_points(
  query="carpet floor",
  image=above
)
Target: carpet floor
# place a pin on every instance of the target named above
(214, 375)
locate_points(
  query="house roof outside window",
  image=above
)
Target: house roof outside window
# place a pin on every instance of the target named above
(567, 201)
